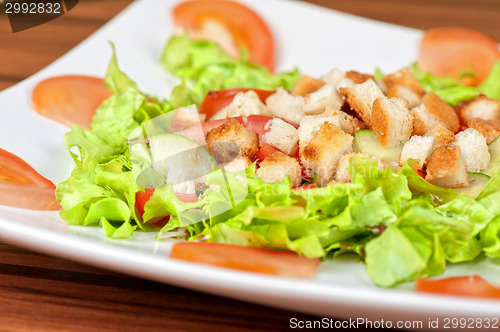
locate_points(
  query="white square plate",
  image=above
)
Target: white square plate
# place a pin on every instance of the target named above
(311, 38)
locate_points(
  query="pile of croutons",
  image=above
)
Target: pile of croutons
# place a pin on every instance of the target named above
(313, 128)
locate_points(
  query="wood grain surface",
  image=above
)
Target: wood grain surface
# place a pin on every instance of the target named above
(43, 293)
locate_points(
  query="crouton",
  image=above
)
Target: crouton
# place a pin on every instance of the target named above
(282, 136)
(442, 136)
(277, 166)
(446, 168)
(183, 118)
(418, 148)
(245, 104)
(403, 92)
(489, 129)
(434, 111)
(361, 97)
(316, 102)
(236, 165)
(473, 149)
(342, 171)
(348, 123)
(324, 150)
(391, 121)
(480, 107)
(310, 124)
(285, 105)
(230, 140)
(405, 78)
(358, 77)
(306, 85)
(334, 76)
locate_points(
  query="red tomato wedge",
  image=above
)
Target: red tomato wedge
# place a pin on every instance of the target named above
(246, 27)
(23, 187)
(70, 100)
(214, 101)
(283, 263)
(469, 286)
(453, 51)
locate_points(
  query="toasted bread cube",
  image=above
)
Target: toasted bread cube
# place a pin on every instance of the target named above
(285, 105)
(282, 136)
(473, 149)
(391, 121)
(348, 123)
(446, 168)
(334, 76)
(306, 85)
(236, 165)
(358, 77)
(442, 136)
(404, 77)
(327, 95)
(245, 104)
(433, 111)
(277, 166)
(185, 117)
(403, 92)
(489, 129)
(342, 171)
(310, 124)
(231, 140)
(418, 148)
(423, 121)
(324, 150)
(361, 97)
(480, 107)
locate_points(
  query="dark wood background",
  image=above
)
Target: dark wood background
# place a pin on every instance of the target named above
(39, 292)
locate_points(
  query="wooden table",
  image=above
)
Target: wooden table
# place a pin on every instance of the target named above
(39, 292)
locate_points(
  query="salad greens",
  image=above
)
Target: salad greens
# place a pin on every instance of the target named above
(453, 92)
(400, 225)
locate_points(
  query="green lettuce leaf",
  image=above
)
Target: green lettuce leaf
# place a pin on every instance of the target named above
(210, 68)
(453, 92)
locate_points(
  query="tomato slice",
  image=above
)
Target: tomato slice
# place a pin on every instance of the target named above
(245, 26)
(214, 101)
(453, 51)
(21, 186)
(305, 187)
(283, 263)
(265, 151)
(469, 286)
(69, 100)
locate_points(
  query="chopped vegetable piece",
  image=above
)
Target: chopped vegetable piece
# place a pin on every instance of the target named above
(21, 186)
(70, 100)
(455, 52)
(214, 101)
(470, 286)
(246, 27)
(284, 263)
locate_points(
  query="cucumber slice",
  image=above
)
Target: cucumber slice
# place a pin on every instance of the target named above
(477, 182)
(366, 141)
(179, 159)
(494, 164)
